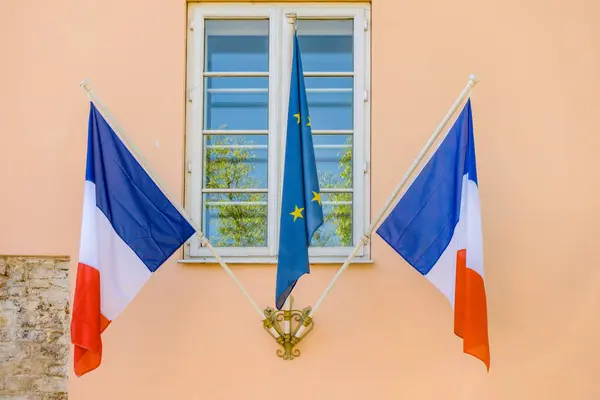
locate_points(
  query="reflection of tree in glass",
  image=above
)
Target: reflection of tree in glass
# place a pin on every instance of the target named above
(239, 225)
(242, 225)
(340, 216)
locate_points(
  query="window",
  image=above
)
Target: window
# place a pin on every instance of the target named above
(239, 64)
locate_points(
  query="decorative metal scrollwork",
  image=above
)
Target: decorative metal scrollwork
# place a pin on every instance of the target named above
(276, 320)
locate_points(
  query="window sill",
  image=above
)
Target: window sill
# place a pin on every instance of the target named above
(268, 260)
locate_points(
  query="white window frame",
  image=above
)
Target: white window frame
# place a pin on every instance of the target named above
(280, 31)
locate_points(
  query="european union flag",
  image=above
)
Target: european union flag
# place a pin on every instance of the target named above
(301, 210)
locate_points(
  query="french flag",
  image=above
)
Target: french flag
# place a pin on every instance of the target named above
(436, 228)
(129, 229)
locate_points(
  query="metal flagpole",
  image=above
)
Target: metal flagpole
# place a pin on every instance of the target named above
(473, 80)
(138, 155)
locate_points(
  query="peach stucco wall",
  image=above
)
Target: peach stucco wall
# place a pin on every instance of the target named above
(384, 333)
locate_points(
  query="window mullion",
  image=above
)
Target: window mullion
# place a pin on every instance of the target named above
(284, 67)
(366, 189)
(195, 150)
(360, 104)
(274, 121)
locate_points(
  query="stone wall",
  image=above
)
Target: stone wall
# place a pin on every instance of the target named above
(34, 328)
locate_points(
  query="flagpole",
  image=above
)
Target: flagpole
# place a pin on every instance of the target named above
(473, 80)
(140, 158)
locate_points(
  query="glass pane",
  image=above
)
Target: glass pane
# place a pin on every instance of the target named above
(237, 45)
(337, 229)
(334, 160)
(326, 45)
(330, 103)
(257, 141)
(235, 161)
(235, 219)
(236, 103)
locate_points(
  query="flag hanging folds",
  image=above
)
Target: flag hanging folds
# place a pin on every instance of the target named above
(436, 228)
(129, 229)
(301, 209)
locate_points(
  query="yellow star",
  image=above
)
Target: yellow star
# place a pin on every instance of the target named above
(317, 197)
(297, 116)
(297, 213)
(308, 122)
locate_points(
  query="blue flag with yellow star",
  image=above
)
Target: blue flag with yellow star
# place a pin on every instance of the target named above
(301, 209)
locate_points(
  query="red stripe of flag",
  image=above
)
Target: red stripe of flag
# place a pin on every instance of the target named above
(87, 322)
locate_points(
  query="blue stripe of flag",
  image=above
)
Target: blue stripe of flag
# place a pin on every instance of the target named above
(422, 224)
(136, 207)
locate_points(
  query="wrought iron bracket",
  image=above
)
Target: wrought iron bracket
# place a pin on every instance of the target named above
(277, 319)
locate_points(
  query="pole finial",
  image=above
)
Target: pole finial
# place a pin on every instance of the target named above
(473, 80)
(84, 84)
(294, 20)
